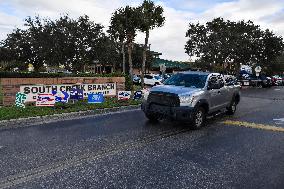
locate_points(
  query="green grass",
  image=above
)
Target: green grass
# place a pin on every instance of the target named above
(7, 113)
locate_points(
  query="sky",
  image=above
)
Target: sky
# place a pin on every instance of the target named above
(169, 39)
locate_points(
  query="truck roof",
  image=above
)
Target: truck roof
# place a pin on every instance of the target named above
(196, 72)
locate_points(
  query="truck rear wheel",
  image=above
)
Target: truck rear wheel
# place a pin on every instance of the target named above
(232, 108)
(198, 118)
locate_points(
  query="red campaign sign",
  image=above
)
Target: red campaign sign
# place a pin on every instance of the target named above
(45, 100)
(124, 95)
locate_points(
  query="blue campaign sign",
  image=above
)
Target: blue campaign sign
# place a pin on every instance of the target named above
(138, 95)
(95, 98)
(76, 94)
(61, 96)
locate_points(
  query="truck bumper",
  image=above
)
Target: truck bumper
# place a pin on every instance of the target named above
(175, 113)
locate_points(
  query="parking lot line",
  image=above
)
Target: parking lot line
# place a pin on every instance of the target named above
(253, 125)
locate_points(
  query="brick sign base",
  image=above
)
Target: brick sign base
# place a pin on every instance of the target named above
(10, 86)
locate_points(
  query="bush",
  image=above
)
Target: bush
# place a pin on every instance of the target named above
(128, 83)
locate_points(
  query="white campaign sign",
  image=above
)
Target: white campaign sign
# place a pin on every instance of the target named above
(107, 89)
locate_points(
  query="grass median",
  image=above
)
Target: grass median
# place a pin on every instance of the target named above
(7, 113)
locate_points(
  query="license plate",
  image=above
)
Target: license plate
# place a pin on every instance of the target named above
(160, 109)
(246, 83)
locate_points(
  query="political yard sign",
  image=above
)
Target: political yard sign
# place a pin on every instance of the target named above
(124, 95)
(61, 96)
(138, 95)
(32, 91)
(45, 100)
(76, 94)
(20, 100)
(95, 98)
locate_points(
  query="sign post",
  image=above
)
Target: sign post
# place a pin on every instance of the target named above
(163, 69)
(257, 71)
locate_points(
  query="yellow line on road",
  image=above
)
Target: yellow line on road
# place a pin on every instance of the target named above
(253, 125)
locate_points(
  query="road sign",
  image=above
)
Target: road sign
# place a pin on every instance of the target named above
(257, 69)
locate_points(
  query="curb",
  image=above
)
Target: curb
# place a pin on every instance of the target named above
(40, 120)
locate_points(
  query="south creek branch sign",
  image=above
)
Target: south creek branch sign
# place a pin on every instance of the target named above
(107, 89)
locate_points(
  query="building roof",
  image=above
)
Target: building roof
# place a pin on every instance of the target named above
(170, 64)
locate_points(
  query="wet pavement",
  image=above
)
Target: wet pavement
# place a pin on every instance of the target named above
(126, 151)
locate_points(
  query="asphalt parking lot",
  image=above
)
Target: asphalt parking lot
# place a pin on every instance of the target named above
(124, 150)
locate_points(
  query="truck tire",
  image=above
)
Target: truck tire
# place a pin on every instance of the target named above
(232, 108)
(152, 117)
(198, 118)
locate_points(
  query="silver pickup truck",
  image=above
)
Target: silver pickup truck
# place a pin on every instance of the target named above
(190, 97)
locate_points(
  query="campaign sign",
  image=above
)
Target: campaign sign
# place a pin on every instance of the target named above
(107, 89)
(124, 95)
(20, 100)
(61, 96)
(76, 94)
(138, 95)
(45, 100)
(95, 98)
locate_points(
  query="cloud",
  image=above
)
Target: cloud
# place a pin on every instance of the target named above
(170, 39)
(256, 10)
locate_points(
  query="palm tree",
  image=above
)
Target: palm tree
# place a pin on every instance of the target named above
(125, 23)
(117, 32)
(151, 17)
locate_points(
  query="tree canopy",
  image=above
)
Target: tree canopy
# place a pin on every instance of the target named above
(72, 43)
(221, 43)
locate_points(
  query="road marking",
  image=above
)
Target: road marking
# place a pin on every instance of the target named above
(279, 121)
(253, 125)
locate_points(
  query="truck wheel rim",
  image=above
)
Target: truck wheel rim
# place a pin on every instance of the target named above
(199, 118)
(234, 107)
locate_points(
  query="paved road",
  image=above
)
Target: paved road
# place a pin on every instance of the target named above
(125, 151)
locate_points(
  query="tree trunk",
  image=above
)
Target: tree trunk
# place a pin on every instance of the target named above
(144, 58)
(123, 57)
(129, 48)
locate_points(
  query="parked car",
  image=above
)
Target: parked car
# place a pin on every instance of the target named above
(152, 79)
(277, 80)
(166, 76)
(136, 79)
(190, 97)
(265, 81)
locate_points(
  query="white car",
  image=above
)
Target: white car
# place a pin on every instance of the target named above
(151, 79)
